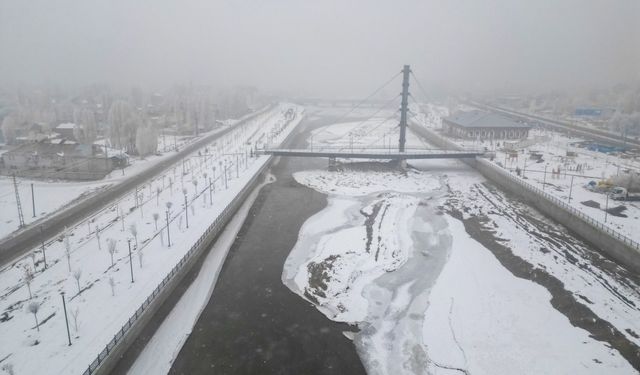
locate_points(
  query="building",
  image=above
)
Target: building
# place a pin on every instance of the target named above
(67, 130)
(484, 125)
(59, 158)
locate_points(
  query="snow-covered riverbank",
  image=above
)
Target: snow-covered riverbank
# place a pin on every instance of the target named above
(101, 292)
(390, 255)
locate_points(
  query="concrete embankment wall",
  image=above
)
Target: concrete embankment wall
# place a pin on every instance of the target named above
(611, 243)
(114, 350)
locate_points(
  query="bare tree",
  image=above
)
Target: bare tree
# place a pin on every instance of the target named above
(98, 237)
(74, 314)
(9, 126)
(119, 120)
(28, 278)
(140, 256)
(33, 259)
(85, 129)
(134, 232)
(76, 275)
(111, 247)
(112, 284)
(156, 216)
(33, 308)
(8, 368)
(67, 251)
(146, 140)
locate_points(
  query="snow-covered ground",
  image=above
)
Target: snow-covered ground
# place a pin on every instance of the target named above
(103, 297)
(160, 352)
(68, 192)
(390, 253)
(575, 173)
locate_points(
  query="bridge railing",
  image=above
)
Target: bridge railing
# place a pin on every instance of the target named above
(581, 215)
(373, 149)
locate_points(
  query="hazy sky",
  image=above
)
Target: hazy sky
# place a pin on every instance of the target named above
(321, 47)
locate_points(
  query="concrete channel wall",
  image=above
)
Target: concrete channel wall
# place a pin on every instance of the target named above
(109, 357)
(610, 242)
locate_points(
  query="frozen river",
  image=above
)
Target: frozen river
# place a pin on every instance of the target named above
(425, 271)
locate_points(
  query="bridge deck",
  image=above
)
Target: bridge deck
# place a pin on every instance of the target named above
(373, 154)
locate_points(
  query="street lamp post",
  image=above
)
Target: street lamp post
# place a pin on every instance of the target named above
(571, 188)
(130, 260)
(210, 192)
(44, 255)
(66, 319)
(186, 213)
(168, 235)
(544, 179)
(33, 201)
(606, 208)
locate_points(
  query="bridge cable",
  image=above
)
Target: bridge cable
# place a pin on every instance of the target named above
(360, 125)
(367, 98)
(424, 92)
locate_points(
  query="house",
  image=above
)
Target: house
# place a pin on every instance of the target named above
(66, 130)
(59, 158)
(484, 125)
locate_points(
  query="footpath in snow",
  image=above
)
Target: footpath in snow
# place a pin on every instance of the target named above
(92, 264)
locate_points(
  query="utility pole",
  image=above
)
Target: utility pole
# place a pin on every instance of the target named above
(20, 216)
(571, 188)
(404, 107)
(44, 255)
(66, 319)
(130, 261)
(186, 214)
(168, 235)
(33, 201)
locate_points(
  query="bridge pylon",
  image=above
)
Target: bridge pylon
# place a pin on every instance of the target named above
(404, 107)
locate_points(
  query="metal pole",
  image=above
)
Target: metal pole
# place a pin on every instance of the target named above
(404, 107)
(168, 235)
(606, 209)
(237, 172)
(33, 201)
(544, 179)
(44, 255)
(570, 189)
(130, 261)
(210, 192)
(186, 214)
(66, 319)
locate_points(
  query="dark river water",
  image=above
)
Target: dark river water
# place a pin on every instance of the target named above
(253, 323)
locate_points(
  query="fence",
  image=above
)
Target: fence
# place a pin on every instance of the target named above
(630, 256)
(211, 232)
(563, 205)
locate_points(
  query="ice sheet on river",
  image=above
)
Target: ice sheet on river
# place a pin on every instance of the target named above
(427, 297)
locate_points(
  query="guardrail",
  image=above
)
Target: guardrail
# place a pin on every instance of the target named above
(216, 226)
(626, 240)
(554, 200)
(230, 209)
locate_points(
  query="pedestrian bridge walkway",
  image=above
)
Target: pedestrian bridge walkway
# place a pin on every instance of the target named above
(372, 153)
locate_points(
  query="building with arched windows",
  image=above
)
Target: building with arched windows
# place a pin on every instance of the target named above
(484, 126)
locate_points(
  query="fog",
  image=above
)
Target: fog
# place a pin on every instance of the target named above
(321, 48)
